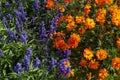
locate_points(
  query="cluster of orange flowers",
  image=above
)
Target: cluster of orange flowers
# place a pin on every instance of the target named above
(83, 23)
(73, 41)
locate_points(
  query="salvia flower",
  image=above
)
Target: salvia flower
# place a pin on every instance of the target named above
(1, 53)
(52, 62)
(26, 62)
(36, 63)
(17, 1)
(7, 4)
(9, 16)
(36, 5)
(64, 53)
(23, 37)
(4, 20)
(18, 67)
(29, 52)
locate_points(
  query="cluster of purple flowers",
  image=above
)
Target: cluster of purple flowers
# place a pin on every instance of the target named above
(26, 61)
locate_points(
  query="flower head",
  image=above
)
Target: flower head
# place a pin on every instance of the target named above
(83, 63)
(116, 63)
(88, 53)
(74, 40)
(36, 63)
(101, 54)
(89, 23)
(103, 73)
(93, 64)
(36, 5)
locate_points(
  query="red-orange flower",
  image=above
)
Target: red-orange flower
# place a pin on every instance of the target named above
(81, 30)
(93, 64)
(83, 63)
(116, 63)
(67, 1)
(89, 76)
(60, 43)
(74, 40)
(87, 9)
(103, 73)
(50, 3)
(101, 54)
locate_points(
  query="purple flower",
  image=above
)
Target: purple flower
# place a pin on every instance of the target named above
(26, 62)
(64, 65)
(29, 52)
(52, 62)
(17, 1)
(64, 53)
(7, 4)
(18, 67)
(36, 5)
(4, 20)
(21, 14)
(11, 35)
(1, 53)
(9, 16)
(18, 25)
(36, 63)
(23, 37)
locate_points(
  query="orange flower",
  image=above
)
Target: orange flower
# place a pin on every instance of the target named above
(50, 4)
(59, 43)
(116, 63)
(70, 26)
(74, 40)
(88, 53)
(81, 30)
(67, 63)
(89, 76)
(103, 73)
(113, 8)
(99, 2)
(87, 9)
(89, 23)
(69, 18)
(100, 16)
(101, 54)
(60, 7)
(80, 19)
(93, 64)
(108, 1)
(83, 63)
(67, 1)
(118, 42)
(58, 34)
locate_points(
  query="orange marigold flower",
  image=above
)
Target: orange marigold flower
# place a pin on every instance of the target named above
(74, 40)
(88, 53)
(69, 18)
(89, 76)
(118, 42)
(116, 63)
(89, 23)
(81, 30)
(93, 64)
(103, 73)
(83, 63)
(59, 43)
(80, 19)
(100, 16)
(113, 8)
(50, 4)
(58, 34)
(70, 26)
(67, 1)
(108, 1)
(100, 2)
(101, 54)
(87, 9)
